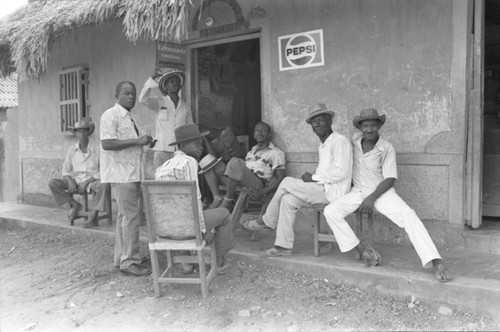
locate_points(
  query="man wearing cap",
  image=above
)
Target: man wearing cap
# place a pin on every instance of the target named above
(331, 180)
(374, 175)
(161, 94)
(261, 171)
(121, 155)
(80, 172)
(183, 166)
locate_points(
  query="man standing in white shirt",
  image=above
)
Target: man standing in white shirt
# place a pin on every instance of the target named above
(374, 175)
(121, 166)
(331, 180)
(161, 94)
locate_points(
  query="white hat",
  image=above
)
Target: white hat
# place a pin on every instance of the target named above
(208, 162)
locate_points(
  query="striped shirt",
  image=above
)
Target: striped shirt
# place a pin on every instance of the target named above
(373, 167)
(182, 168)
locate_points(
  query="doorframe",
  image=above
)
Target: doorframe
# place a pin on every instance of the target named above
(476, 116)
(192, 63)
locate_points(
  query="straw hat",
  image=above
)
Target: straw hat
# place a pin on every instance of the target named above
(187, 133)
(368, 114)
(84, 123)
(162, 82)
(318, 109)
(208, 162)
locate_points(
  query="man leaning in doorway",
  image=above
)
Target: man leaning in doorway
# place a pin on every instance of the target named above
(121, 166)
(331, 180)
(161, 94)
(374, 175)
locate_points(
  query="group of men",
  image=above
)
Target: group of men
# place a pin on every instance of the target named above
(350, 176)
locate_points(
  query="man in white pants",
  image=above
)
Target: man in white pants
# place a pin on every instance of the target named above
(331, 180)
(374, 175)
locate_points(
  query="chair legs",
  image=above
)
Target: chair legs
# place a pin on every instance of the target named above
(155, 265)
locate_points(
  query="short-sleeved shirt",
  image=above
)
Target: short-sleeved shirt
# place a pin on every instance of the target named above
(334, 169)
(81, 166)
(264, 162)
(373, 167)
(119, 166)
(182, 168)
(167, 116)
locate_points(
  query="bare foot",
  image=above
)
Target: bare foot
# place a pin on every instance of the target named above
(441, 273)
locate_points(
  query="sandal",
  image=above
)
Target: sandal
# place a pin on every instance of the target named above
(370, 256)
(216, 202)
(441, 273)
(275, 252)
(223, 269)
(253, 225)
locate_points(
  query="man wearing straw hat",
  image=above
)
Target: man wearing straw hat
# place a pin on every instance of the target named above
(374, 175)
(161, 94)
(331, 180)
(121, 166)
(184, 167)
(80, 172)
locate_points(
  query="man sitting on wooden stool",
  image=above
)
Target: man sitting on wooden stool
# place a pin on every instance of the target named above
(184, 167)
(374, 175)
(261, 171)
(81, 174)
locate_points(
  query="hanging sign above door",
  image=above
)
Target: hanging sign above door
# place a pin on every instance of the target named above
(301, 50)
(170, 55)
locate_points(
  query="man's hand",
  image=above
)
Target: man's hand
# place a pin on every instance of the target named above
(82, 188)
(144, 140)
(157, 72)
(209, 237)
(72, 186)
(367, 205)
(307, 177)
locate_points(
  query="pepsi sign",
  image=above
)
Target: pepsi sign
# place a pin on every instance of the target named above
(301, 50)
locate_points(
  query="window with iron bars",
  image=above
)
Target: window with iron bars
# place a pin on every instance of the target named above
(74, 102)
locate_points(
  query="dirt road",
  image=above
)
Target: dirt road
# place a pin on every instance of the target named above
(61, 281)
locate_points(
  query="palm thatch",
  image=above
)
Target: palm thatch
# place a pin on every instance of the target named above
(27, 35)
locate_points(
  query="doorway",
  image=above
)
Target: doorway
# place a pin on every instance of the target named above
(227, 85)
(491, 109)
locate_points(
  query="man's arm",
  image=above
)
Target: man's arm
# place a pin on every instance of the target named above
(120, 144)
(210, 148)
(146, 97)
(369, 202)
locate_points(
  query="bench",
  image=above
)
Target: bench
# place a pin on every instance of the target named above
(328, 237)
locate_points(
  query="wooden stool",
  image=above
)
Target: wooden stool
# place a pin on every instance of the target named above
(108, 214)
(328, 237)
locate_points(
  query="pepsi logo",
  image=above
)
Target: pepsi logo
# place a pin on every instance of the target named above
(300, 50)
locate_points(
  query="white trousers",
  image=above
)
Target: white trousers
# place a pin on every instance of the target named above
(390, 205)
(291, 195)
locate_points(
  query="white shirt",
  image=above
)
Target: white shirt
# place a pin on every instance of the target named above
(334, 169)
(81, 166)
(182, 167)
(373, 167)
(119, 166)
(167, 116)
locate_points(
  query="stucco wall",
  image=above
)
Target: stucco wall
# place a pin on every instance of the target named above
(111, 58)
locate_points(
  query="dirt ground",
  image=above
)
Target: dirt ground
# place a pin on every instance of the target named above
(61, 281)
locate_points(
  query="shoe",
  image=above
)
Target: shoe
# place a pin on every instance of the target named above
(216, 202)
(275, 252)
(91, 220)
(72, 213)
(254, 225)
(135, 270)
(187, 268)
(223, 269)
(228, 204)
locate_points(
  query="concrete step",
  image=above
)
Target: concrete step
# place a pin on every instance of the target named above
(476, 286)
(485, 239)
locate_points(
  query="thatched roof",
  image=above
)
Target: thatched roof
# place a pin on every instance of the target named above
(26, 36)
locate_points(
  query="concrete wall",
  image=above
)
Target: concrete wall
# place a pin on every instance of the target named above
(10, 186)
(111, 58)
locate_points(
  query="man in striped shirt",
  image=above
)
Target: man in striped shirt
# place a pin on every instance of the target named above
(184, 167)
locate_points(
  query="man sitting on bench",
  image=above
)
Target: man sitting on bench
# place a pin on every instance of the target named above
(374, 175)
(261, 171)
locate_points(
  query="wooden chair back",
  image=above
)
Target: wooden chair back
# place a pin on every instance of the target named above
(172, 210)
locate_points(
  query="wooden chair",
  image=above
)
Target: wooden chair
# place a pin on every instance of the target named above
(173, 224)
(328, 237)
(108, 214)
